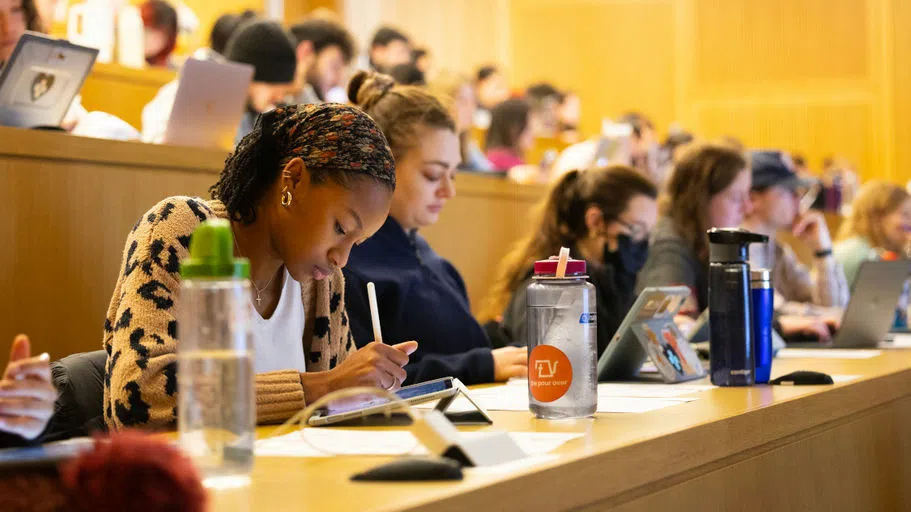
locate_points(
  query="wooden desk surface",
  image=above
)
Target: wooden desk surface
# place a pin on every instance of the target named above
(794, 448)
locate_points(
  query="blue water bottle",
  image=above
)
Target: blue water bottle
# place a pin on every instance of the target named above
(730, 307)
(763, 297)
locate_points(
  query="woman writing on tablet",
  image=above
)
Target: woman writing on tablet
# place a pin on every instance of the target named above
(420, 295)
(306, 185)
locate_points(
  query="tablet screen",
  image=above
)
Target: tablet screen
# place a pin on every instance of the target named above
(408, 393)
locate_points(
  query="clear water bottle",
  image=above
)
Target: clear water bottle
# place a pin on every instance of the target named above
(216, 411)
(562, 341)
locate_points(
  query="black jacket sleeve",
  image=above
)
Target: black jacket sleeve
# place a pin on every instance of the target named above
(472, 367)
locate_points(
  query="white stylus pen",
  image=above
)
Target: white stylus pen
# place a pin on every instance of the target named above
(374, 313)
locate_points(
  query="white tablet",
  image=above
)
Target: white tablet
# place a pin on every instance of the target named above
(447, 387)
(41, 79)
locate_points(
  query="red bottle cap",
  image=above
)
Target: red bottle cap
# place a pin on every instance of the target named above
(549, 268)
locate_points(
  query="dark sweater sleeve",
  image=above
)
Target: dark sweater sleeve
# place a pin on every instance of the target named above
(472, 367)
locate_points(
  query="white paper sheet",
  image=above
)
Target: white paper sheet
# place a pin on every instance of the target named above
(827, 353)
(385, 442)
(514, 397)
(898, 341)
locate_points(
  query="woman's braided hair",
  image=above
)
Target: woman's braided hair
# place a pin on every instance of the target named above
(334, 141)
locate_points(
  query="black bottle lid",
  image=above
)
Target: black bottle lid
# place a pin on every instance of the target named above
(729, 245)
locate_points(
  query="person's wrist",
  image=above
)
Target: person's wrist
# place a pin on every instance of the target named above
(316, 384)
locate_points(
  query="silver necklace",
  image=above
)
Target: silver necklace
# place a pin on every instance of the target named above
(259, 299)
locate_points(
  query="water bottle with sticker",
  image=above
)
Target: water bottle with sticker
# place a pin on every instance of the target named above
(562, 340)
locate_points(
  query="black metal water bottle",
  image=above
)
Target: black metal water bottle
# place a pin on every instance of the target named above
(730, 317)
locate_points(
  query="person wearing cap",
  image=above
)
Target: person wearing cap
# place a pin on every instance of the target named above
(266, 46)
(776, 207)
(299, 191)
(262, 44)
(324, 52)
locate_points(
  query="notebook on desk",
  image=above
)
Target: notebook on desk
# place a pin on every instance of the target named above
(41, 79)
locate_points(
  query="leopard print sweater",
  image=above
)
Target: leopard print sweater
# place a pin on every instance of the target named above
(141, 331)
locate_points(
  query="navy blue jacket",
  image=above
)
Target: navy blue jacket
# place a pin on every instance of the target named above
(421, 297)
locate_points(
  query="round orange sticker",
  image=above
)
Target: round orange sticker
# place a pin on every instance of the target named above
(549, 373)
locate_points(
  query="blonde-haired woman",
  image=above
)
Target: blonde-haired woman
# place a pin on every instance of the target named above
(879, 227)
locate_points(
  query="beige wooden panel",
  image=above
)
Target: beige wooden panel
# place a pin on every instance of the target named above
(745, 41)
(816, 129)
(617, 55)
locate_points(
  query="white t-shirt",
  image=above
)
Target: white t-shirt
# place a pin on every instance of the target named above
(278, 340)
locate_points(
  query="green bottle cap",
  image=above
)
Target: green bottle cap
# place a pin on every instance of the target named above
(212, 254)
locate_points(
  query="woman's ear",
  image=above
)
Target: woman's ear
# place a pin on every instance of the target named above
(294, 172)
(594, 220)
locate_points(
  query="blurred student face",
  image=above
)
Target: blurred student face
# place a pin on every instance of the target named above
(570, 110)
(728, 208)
(155, 41)
(776, 206)
(327, 70)
(264, 96)
(12, 26)
(897, 228)
(389, 56)
(493, 91)
(425, 178)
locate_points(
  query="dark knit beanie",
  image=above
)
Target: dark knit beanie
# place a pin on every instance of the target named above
(268, 48)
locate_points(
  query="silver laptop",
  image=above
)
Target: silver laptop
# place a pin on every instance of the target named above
(871, 311)
(41, 79)
(210, 100)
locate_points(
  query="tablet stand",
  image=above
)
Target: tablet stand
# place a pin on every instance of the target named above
(478, 416)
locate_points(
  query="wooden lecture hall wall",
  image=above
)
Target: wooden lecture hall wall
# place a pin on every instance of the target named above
(816, 76)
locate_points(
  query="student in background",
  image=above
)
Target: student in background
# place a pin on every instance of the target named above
(879, 227)
(420, 295)
(324, 52)
(604, 216)
(26, 395)
(389, 48)
(644, 153)
(710, 188)
(510, 134)
(17, 16)
(776, 207)
(156, 113)
(297, 200)
(459, 89)
(160, 23)
(222, 30)
(491, 89)
(545, 103)
(270, 50)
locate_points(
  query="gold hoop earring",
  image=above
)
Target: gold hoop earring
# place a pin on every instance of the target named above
(286, 197)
